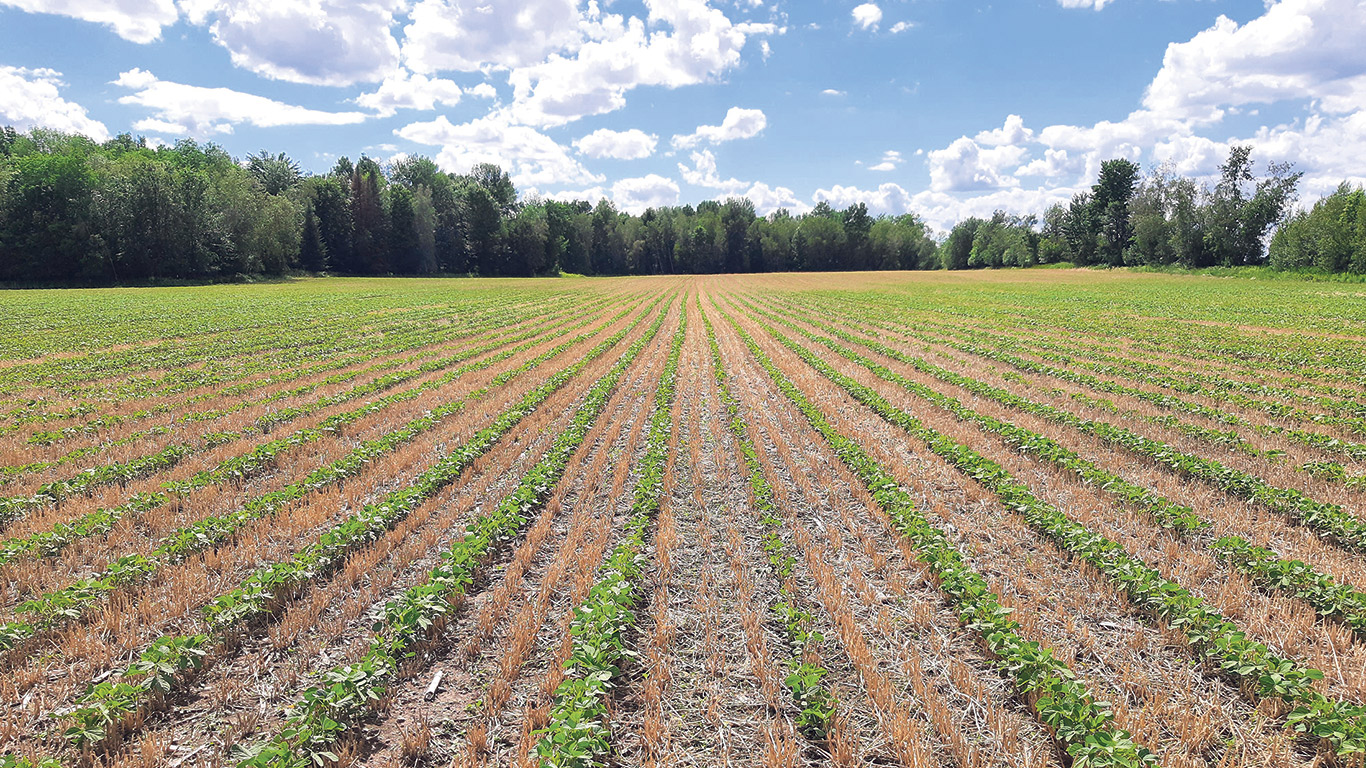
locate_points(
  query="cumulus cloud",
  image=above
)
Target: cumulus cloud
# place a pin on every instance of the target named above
(203, 111)
(530, 157)
(470, 35)
(942, 210)
(317, 42)
(966, 165)
(703, 173)
(1299, 52)
(901, 26)
(738, 124)
(652, 191)
(888, 198)
(619, 54)
(766, 199)
(889, 162)
(484, 91)
(405, 90)
(140, 21)
(32, 98)
(1013, 132)
(867, 16)
(1299, 49)
(632, 144)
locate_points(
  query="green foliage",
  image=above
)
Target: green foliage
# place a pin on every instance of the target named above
(347, 695)
(1084, 725)
(812, 699)
(578, 735)
(68, 603)
(1225, 646)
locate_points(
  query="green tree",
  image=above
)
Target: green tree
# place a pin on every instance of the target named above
(277, 174)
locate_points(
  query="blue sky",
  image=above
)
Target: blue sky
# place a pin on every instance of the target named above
(941, 107)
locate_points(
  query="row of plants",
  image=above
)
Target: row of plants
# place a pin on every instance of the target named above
(102, 711)
(243, 466)
(347, 695)
(1331, 470)
(1264, 674)
(1321, 441)
(69, 603)
(981, 347)
(355, 341)
(1007, 332)
(14, 507)
(577, 734)
(361, 353)
(1329, 598)
(123, 472)
(220, 355)
(1196, 332)
(1227, 438)
(1328, 519)
(1083, 724)
(1085, 351)
(393, 344)
(813, 701)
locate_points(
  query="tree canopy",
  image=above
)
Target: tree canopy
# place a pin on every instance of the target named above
(76, 211)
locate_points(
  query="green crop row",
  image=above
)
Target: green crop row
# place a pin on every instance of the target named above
(236, 467)
(1080, 722)
(1224, 645)
(1300, 580)
(1318, 440)
(110, 703)
(347, 694)
(245, 465)
(814, 702)
(1328, 519)
(577, 735)
(69, 603)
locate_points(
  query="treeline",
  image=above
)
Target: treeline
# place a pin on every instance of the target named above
(76, 211)
(1129, 220)
(73, 210)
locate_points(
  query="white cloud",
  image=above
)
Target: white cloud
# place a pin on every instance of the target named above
(1299, 49)
(653, 191)
(942, 210)
(889, 162)
(766, 199)
(140, 21)
(470, 35)
(704, 174)
(1053, 164)
(484, 91)
(901, 26)
(1013, 132)
(738, 124)
(32, 98)
(1094, 4)
(203, 111)
(318, 42)
(620, 53)
(152, 125)
(832, 92)
(530, 157)
(633, 144)
(888, 198)
(867, 16)
(965, 165)
(404, 90)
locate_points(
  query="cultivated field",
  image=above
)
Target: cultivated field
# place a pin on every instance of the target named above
(1040, 518)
